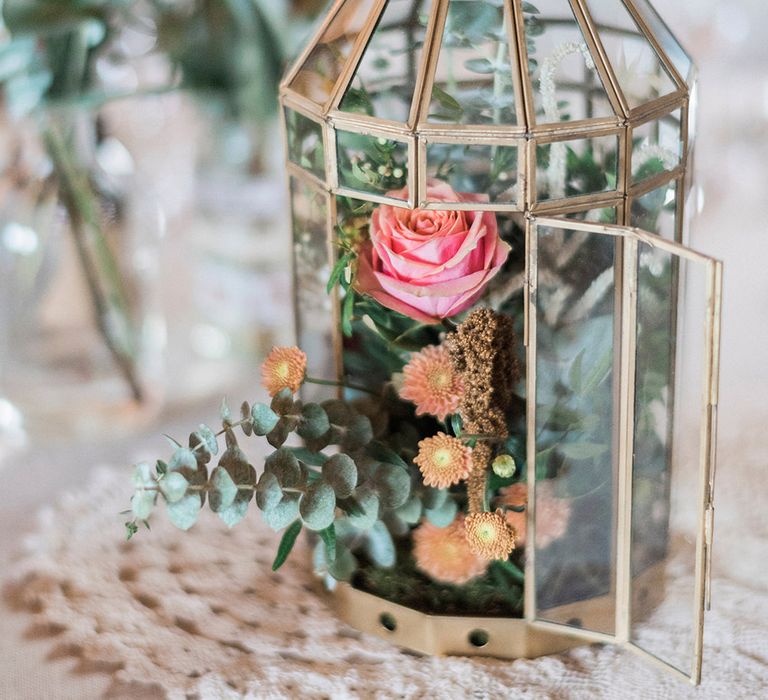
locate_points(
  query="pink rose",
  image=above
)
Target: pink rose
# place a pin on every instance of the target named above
(430, 264)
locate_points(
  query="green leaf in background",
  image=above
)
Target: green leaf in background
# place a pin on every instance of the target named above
(379, 546)
(393, 484)
(380, 452)
(286, 545)
(368, 514)
(444, 515)
(328, 536)
(582, 450)
(410, 511)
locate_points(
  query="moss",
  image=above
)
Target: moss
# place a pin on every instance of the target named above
(496, 594)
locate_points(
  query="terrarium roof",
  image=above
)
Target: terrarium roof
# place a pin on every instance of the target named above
(490, 65)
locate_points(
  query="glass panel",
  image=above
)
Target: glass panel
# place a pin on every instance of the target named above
(305, 143)
(641, 75)
(656, 146)
(314, 309)
(669, 44)
(473, 79)
(656, 211)
(575, 415)
(573, 168)
(373, 165)
(566, 84)
(602, 215)
(385, 79)
(318, 75)
(669, 410)
(480, 169)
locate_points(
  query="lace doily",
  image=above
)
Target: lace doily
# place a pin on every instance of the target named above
(201, 615)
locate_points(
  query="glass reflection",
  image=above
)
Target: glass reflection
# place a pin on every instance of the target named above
(575, 304)
(318, 74)
(668, 417)
(373, 165)
(656, 211)
(385, 79)
(314, 309)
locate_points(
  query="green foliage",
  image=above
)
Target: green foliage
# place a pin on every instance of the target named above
(340, 472)
(317, 506)
(286, 545)
(442, 515)
(263, 419)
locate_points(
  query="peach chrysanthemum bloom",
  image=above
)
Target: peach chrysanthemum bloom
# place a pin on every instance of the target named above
(489, 535)
(444, 554)
(431, 382)
(552, 513)
(443, 460)
(284, 368)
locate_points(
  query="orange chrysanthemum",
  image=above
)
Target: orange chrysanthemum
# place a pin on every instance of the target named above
(444, 554)
(489, 535)
(552, 513)
(432, 383)
(443, 460)
(284, 368)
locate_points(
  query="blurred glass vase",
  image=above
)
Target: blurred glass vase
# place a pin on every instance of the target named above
(82, 339)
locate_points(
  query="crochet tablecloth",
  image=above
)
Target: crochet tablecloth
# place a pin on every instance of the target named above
(201, 615)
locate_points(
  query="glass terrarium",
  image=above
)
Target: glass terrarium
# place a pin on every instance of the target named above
(488, 226)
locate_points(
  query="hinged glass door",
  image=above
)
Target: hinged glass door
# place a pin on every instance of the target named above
(622, 339)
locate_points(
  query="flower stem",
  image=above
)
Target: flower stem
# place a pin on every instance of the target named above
(346, 385)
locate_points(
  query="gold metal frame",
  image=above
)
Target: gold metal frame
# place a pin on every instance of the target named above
(631, 238)
(432, 634)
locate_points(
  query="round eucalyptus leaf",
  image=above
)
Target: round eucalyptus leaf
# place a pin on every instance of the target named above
(434, 498)
(208, 438)
(393, 484)
(142, 475)
(183, 514)
(263, 419)
(174, 486)
(314, 422)
(285, 466)
(410, 511)
(340, 472)
(368, 502)
(338, 412)
(284, 513)
(142, 503)
(279, 434)
(379, 546)
(345, 565)
(268, 491)
(318, 505)
(359, 433)
(232, 515)
(182, 458)
(444, 515)
(283, 403)
(223, 491)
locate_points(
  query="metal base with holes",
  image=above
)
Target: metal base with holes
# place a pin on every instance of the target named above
(440, 635)
(504, 638)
